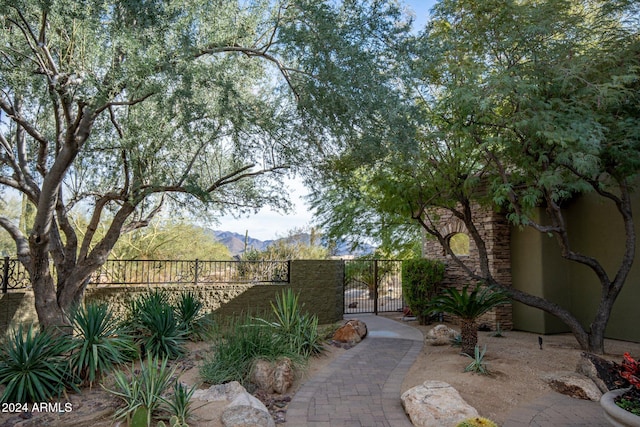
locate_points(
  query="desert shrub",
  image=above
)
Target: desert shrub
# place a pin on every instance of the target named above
(188, 311)
(242, 341)
(155, 326)
(34, 365)
(99, 342)
(292, 327)
(421, 279)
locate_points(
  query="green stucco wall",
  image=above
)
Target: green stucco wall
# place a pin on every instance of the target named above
(595, 229)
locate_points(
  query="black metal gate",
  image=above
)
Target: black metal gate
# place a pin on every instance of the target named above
(372, 286)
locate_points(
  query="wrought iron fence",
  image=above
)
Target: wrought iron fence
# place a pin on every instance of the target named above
(372, 286)
(14, 275)
(156, 272)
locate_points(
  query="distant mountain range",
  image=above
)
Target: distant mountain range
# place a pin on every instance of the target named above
(235, 243)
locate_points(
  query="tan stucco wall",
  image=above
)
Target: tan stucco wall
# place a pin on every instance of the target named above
(319, 284)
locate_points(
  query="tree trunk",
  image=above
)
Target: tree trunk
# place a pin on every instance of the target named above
(469, 336)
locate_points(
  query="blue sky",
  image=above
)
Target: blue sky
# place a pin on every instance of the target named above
(268, 224)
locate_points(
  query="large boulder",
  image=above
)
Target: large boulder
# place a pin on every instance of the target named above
(271, 376)
(351, 332)
(574, 385)
(436, 403)
(440, 335)
(283, 375)
(241, 408)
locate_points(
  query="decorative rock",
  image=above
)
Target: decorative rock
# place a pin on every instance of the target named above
(262, 375)
(574, 385)
(601, 371)
(436, 403)
(246, 416)
(440, 335)
(283, 375)
(351, 332)
(220, 392)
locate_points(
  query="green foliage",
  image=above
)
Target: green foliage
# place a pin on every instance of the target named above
(468, 305)
(188, 309)
(34, 365)
(155, 325)
(363, 271)
(182, 109)
(498, 333)
(179, 404)
(292, 327)
(142, 392)
(421, 279)
(237, 347)
(477, 422)
(170, 240)
(477, 364)
(99, 343)
(298, 243)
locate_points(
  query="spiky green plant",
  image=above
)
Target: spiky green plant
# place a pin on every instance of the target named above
(34, 365)
(99, 342)
(468, 307)
(191, 319)
(142, 393)
(156, 328)
(477, 422)
(179, 404)
(477, 364)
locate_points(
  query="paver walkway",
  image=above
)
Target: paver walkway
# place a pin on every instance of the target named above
(361, 388)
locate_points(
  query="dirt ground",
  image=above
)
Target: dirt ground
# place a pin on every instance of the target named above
(515, 361)
(516, 366)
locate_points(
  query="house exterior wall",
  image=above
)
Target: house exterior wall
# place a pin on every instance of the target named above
(531, 261)
(494, 229)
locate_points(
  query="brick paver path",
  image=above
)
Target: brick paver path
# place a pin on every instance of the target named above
(360, 388)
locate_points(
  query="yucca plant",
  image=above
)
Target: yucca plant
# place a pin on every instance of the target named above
(142, 393)
(292, 327)
(155, 327)
(34, 365)
(160, 334)
(188, 310)
(99, 342)
(468, 307)
(179, 404)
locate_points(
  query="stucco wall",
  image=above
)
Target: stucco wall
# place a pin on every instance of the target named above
(596, 230)
(319, 284)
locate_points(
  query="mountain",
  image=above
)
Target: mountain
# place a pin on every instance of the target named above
(235, 243)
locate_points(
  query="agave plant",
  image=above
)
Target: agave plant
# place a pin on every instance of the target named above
(468, 306)
(99, 342)
(33, 365)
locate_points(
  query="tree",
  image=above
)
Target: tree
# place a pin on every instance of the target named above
(468, 307)
(517, 105)
(120, 108)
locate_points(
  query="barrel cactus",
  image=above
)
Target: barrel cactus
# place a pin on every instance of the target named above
(477, 422)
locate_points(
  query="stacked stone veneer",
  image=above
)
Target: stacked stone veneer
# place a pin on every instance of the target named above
(494, 229)
(318, 283)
